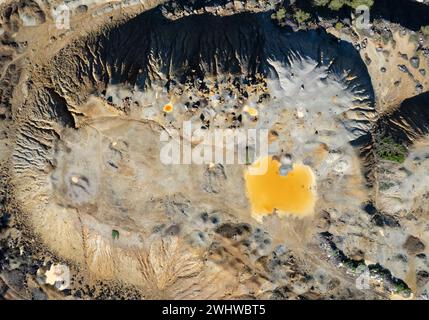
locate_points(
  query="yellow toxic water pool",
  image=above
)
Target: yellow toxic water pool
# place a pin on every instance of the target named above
(271, 192)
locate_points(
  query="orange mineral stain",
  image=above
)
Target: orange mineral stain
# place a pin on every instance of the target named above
(271, 192)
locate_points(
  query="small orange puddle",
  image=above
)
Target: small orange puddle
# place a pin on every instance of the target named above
(291, 194)
(251, 111)
(168, 108)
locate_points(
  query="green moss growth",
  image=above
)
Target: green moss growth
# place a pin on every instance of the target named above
(385, 185)
(338, 4)
(414, 38)
(386, 38)
(425, 31)
(279, 14)
(402, 288)
(388, 149)
(115, 234)
(301, 16)
(339, 25)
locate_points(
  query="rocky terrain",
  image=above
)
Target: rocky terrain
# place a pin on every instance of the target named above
(88, 209)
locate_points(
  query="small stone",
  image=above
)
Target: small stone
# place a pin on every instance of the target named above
(81, 9)
(403, 56)
(173, 230)
(422, 72)
(38, 294)
(3, 110)
(284, 170)
(383, 69)
(368, 60)
(414, 245)
(422, 278)
(403, 68)
(419, 88)
(286, 159)
(415, 62)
